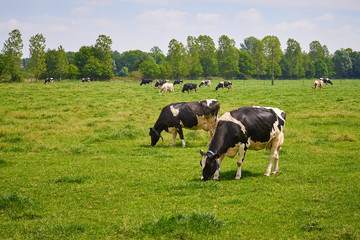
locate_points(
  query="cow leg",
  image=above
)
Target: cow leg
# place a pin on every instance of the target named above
(240, 160)
(274, 156)
(216, 174)
(179, 130)
(174, 137)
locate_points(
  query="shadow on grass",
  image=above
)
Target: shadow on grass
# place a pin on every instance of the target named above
(230, 175)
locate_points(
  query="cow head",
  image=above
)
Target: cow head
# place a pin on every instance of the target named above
(209, 163)
(155, 136)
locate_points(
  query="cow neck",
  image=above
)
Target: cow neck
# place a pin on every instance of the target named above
(159, 127)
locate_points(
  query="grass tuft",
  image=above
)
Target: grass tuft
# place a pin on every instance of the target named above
(183, 226)
(71, 179)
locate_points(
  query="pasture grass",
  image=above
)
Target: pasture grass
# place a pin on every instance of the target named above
(76, 163)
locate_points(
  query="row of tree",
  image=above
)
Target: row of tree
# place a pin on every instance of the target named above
(199, 58)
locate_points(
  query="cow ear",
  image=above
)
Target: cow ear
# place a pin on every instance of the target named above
(202, 152)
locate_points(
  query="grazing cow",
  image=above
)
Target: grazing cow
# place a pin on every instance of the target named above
(146, 81)
(48, 80)
(188, 87)
(178, 82)
(190, 115)
(252, 128)
(326, 80)
(205, 83)
(318, 83)
(225, 84)
(167, 87)
(85, 80)
(159, 83)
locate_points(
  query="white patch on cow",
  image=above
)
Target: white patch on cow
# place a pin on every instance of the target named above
(227, 117)
(209, 101)
(174, 111)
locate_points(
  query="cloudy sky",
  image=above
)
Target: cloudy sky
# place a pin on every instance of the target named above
(142, 24)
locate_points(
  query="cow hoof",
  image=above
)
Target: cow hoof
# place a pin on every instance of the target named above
(216, 179)
(266, 174)
(237, 178)
(274, 172)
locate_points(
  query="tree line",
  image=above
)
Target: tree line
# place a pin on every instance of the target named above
(199, 58)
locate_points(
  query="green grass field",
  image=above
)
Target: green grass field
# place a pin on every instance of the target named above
(76, 163)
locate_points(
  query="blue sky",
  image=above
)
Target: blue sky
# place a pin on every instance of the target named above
(142, 24)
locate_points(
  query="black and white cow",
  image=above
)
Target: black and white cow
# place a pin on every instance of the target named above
(159, 83)
(48, 80)
(146, 81)
(205, 83)
(84, 80)
(225, 84)
(326, 80)
(188, 87)
(179, 81)
(190, 115)
(246, 128)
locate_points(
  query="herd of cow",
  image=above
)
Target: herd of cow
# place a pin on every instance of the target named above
(165, 85)
(235, 132)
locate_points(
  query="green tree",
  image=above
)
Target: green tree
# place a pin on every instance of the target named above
(149, 69)
(354, 72)
(316, 51)
(61, 62)
(177, 58)
(272, 52)
(103, 53)
(207, 55)
(276, 67)
(321, 69)
(246, 65)
(3, 64)
(193, 48)
(157, 54)
(37, 55)
(292, 58)
(73, 72)
(227, 57)
(93, 68)
(256, 52)
(249, 44)
(165, 70)
(342, 62)
(13, 51)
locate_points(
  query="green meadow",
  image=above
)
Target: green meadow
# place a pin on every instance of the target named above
(76, 163)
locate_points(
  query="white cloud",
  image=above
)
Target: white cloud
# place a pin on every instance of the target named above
(161, 15)
(207, 17)
(303, 25)
(251, 15)
(325, 17)
(89, 7)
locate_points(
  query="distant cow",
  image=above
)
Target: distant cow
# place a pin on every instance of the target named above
(84, 80)
(167, 87)
(190, 115)
(318, 84)
(159, 83)
(326, 80)
(225, 84)
(188, 87)
(179, 81)
(246, 128)
(146, 81)
(48, 80)
(205, 83)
